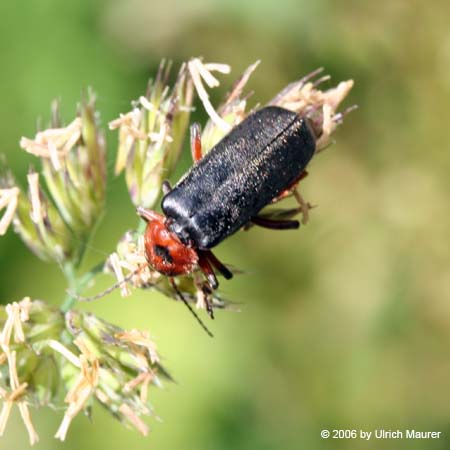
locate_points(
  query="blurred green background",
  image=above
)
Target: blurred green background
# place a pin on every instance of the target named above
(344, 324)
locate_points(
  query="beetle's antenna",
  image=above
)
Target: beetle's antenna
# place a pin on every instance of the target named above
(106, 291)
(175, 287)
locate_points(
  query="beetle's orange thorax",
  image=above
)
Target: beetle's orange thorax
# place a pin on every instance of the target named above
(165, 252)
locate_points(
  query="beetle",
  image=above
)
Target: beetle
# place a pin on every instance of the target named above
(224, 191)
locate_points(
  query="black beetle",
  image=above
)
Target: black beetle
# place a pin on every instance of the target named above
(256, 162)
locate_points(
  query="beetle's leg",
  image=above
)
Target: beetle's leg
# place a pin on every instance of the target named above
(203, 293)
(147, 214)
(227, 274)
(196, 142)
(292, 190)
(207, 270)
(288, 191)
(206, 289)
(275, 224)
(166, 187)
(304, 206)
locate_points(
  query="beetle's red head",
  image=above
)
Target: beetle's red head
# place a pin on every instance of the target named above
(163, 249)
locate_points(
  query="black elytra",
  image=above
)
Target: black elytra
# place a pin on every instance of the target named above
(252, 165)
